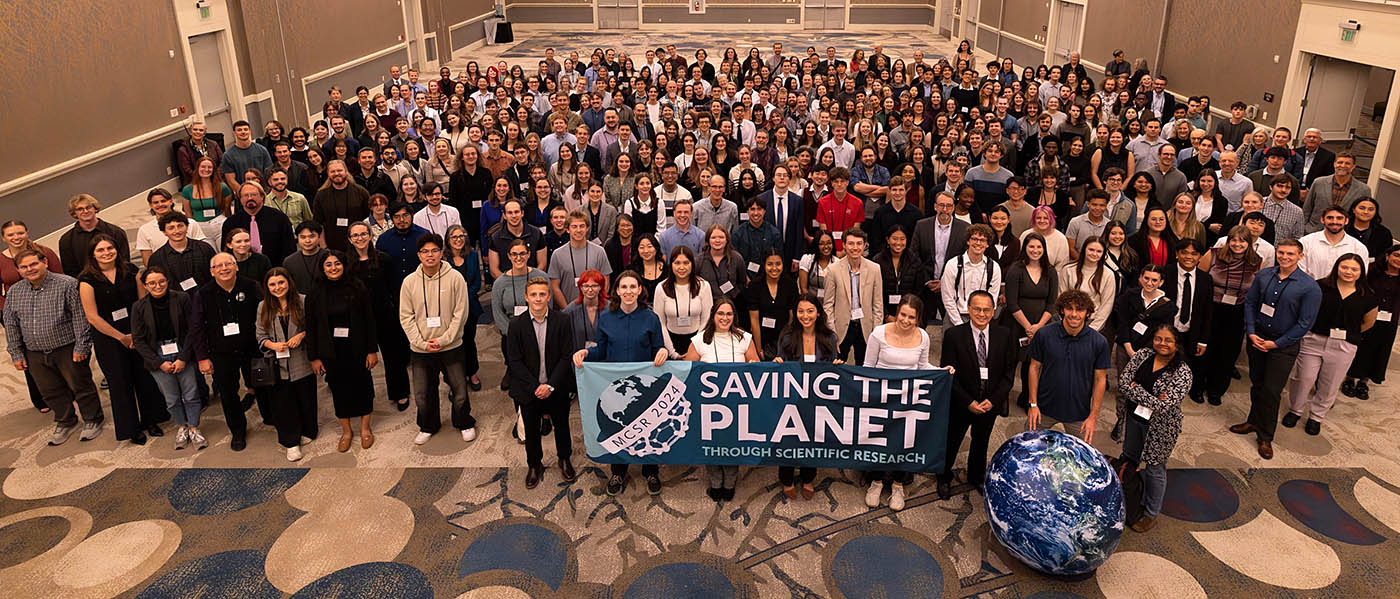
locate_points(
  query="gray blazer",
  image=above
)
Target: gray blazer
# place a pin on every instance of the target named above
(295, 367)
(607, 223)
(1320, 198)
(583, 332)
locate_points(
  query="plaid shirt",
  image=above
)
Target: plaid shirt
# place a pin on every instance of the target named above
(46, 318)
(1288, 219)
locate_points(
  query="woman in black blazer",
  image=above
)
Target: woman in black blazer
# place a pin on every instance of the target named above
(806, 338)
(342, 343)
(161, 333)
(1207, 191)
(1154, 242)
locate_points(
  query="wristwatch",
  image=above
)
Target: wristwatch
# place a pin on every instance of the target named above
(1035, 405)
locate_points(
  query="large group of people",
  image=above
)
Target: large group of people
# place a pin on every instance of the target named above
(805, 207)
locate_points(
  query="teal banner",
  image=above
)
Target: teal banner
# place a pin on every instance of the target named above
(765, 414)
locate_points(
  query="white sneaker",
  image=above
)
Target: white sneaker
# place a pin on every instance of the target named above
(306, 440)
(896, 497)
(197, 439)
(293, 453)
(422, 438)
(469, 435)
(872, 497)
(182, 438)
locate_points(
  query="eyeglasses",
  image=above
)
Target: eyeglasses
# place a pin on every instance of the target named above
(429, 251)
(457, 236)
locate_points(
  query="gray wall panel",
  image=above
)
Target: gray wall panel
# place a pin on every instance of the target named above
(371, 73)
(469, 34)
(1023, 54)
(720, 15)
(524, 13)
(914, 15)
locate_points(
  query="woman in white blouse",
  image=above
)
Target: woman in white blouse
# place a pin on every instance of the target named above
(1090, 275)
(721, 341)
(683, 302)
(900, 345)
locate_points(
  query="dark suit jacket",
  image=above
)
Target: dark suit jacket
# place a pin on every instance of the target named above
(1202, 302)
(274, 228)
(594, 160)
(794, 244)
(925, 238)
(960, 352)
(1321, 167)
(523, 355)
(1128, 311)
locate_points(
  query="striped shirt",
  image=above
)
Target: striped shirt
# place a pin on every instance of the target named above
(45, 318)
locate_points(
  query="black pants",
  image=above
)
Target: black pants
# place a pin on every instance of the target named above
(63, 382)
(890, 476)
(426, 369)
(227, 369)
(789, 475)
(473, 363)
(959, 421)
(855, 341)
(294, 409)
(137, 404)
(393, 346)
(556, 407)
(35, 396)
(1268, 373)
(621, 469)
(1223, 350)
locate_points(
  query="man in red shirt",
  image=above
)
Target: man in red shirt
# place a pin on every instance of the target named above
(838, 210)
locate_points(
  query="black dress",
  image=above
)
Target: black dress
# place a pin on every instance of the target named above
(137, 404)
(341, 332)
(1373, 353)
(773, 311)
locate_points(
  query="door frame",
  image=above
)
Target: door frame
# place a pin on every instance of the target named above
(415, 33)
(597, 25)
(217, 23)
(1358, 92)
(1053, 26)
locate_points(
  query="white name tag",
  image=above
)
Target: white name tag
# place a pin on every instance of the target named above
(169, 349)
(1024, 341)
(230, 329)
(753, 267)
(209, 213)
(768, 323)
(1143, 412)
(1266, 310)
(982, 373)
(1338, 334)
(283, 353)
(894, 299)
(1140, 328)
(476, 203)
(518, 310)
(726, 287)
(821, 292)
(590, 345)
(544, 228)
(342, 222)
(342, 332)
(1382, 316)
(682, 321)
(837, 235)
(1228, 299)
(857, 313)
(434, 322)
(809, 357)
(187, 284)
(815, 224)
(119, 314)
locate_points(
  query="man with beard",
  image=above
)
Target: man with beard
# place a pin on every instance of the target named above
(269, 227)
(340, 202)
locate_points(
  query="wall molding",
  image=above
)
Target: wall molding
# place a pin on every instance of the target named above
(323, 73)
(45, 174)
(171, 185)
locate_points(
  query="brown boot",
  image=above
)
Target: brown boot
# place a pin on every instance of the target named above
(1144, 523)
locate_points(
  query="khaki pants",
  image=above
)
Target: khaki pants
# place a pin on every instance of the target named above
(1317, 375)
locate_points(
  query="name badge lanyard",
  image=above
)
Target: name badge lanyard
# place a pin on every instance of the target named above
(1283, 286)
(689, 297)
(424, 281)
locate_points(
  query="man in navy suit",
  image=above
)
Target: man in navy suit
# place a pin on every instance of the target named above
(785, 208)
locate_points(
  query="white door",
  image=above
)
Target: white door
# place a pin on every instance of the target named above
(947, 18)
(209, 77)
(1336, 89)
(970, 11)
(824, 14)
(617, 14)
(1068, 28)
(413, 33)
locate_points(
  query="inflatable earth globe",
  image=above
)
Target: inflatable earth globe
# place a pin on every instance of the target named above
(627, 400)
(1054, 502)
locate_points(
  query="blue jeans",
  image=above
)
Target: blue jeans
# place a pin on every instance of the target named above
(1154, 476)
(181, 394)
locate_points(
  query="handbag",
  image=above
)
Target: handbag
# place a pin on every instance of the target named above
(262, 372)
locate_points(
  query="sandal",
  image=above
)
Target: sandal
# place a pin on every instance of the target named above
(366, 439)
(344, 444)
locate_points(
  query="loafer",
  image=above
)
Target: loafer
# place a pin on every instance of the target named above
(1243, 428)
(1198, 398)
(566, 470)
(546, 427)
(532, 477)
(807, 491)
(344, 444)
(1290, 420)
(790, 492)
(1313, 427)
(1362, 391)
(1266, 450)
(475, 385)
(402, 404)
(138, 439)
(1214, 400)
(945, 489)
(238, 444)
(1348, 388)
(154, 431)
(1144, 524)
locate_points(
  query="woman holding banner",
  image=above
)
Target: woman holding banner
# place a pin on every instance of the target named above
(721, 341)
(899, 345)
(628, 332)
(806, 338)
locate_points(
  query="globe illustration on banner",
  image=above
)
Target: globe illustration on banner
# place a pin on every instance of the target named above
(1054, 502)
(632, 401)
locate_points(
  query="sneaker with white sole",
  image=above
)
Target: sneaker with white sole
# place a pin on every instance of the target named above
(61, 434)
(197, 439)
(293, 453)
(872, 497)
(896, 497)
(91, 430)
(469, 435)
(182, 438)
(422, 438)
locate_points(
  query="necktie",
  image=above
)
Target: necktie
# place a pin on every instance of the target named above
(981, 349)
(779, 209)
(254, 235)
(1186, 300)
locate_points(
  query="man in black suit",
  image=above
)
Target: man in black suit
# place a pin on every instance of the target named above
(937, 239)
(1311, 160)
(790, 221)
(983, 359)
(585, 152)
(274, 232)
(1160, 101)
(539, 345)
(1192, 291)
